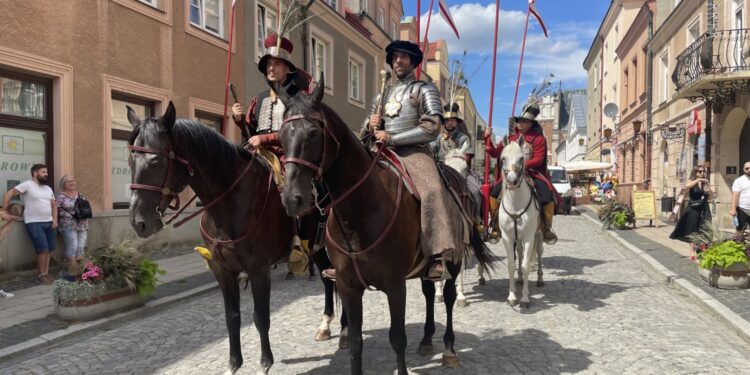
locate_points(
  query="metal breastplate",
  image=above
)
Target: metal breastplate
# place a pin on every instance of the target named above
(271, 115)
(399, 114)
(458, 141)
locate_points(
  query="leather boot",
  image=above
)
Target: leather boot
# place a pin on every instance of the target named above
(494, 234)
(549, 235)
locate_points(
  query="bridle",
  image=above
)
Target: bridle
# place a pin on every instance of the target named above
(167, 194)
(316, 117)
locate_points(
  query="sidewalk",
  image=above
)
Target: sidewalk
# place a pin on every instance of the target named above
(28, 320)
(671, 259)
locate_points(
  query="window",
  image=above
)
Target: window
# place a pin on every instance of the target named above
(664, 81)
(25, 127)
(153, 3)
(363, 6)
(209, 119)
(121, 129)
(332, 3)
(381, 18)
(694, 31)
(321, 57)
(635, 79)
(266, 22)
(208, 15)
(735, 37)
(394, 35)
(626, 80)
(356, 78)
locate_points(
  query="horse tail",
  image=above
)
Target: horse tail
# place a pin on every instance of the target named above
(482, 253)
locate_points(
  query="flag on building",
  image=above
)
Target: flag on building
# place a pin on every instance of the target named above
(532, 10)
(446, 13)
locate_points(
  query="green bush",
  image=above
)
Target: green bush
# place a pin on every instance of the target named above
(613, 213)
(723, 255)
(149, 276)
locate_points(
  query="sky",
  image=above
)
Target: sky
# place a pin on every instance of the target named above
(571, 24)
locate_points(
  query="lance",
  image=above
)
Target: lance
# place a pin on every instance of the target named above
(426, 30)
(488, 142)
(520, 61)
(229, 68)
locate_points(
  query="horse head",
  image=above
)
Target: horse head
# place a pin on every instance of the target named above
(156, 173)
(514, 158)
(305, 140)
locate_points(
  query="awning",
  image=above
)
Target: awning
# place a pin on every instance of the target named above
(586, 165)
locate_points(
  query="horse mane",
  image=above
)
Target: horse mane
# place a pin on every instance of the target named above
(204, 144)
(516, 148)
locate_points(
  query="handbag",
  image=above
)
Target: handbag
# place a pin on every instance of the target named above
(82, 209)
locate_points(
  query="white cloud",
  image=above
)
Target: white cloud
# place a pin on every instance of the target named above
(562, 53)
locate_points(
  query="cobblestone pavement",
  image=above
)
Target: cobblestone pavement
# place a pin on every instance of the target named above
(600, 312)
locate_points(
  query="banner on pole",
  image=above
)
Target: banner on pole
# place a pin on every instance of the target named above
(533, 11)
(446, 13)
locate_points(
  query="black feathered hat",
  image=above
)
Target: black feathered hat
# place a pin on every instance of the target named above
(452, 111)
(530, 112)
(404, 46)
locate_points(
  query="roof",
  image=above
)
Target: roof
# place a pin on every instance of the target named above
(432, 48)
(568, 98)
(578, 102)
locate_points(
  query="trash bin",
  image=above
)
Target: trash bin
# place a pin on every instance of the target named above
(667, 203)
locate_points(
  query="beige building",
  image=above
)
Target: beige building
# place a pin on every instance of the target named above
(700, 58)
(604, 78)
(64, 86)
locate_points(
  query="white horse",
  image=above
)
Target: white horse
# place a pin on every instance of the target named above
(456, 160)
(519, 219)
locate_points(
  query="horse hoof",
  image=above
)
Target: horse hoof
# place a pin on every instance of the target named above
(512, 303)
(482, 281)
(450, 361)
(425, 349)
(524, 305)
(343, 342)
(439, 299)
(323, 335)
(462, 303)
(540, 284)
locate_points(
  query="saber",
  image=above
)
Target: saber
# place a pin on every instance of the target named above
(384, 76)
(234, 92)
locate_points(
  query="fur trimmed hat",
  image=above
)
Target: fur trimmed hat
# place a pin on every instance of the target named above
(404, 46)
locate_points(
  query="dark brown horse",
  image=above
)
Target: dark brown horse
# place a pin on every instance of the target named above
(245, 225)
(374, 225)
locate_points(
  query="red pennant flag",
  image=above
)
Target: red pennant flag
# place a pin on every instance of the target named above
(532, 9)
(446, 13)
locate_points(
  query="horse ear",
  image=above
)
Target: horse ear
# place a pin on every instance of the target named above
(281, 93)
(521, 141)
(169, 117)
(319, 89)
(505, 140)
(133, 118)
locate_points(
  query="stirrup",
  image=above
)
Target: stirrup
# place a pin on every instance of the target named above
(549, 237)
(329, 274)
(434, 263)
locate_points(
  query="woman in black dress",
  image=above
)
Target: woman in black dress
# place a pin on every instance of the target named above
(697, 211)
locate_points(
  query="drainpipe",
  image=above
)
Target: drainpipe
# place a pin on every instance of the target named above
(648, 151)
(601, 99)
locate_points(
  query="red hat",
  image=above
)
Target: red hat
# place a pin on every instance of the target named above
(282, 50)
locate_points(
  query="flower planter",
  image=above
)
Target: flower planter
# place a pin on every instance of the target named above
(97, 307)
(734, 277)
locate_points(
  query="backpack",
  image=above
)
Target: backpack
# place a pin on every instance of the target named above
(82, 209)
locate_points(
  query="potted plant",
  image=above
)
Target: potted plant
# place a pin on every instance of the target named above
(724, 262)
(613, 213)
(114, 278)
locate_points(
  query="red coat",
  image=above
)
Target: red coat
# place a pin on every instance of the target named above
(536, 165)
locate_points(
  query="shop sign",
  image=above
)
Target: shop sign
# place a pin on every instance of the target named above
(673, 134)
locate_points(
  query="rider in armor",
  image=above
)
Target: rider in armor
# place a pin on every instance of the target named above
(412, 118)
(453, 142)
(536, 167)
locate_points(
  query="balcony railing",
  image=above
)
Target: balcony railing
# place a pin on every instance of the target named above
(724, 51)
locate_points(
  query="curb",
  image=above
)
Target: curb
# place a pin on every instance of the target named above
(714, 306)
(76, 329)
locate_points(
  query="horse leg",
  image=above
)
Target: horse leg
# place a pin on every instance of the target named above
(230, 290)
(450, 358)
(425, 346)
(352, 300)
(539, 252)
(343, 335)
(520, 256)
(462, 301)
(528, 247)
(320, 259)
(511, 264)
(261, 287)
(480, 270)
(397, 333)
(439, 291)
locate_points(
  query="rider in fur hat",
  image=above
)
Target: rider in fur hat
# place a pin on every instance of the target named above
(536, 166)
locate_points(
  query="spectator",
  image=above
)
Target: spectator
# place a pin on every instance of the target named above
(73, 231)
(740, 207)
(40, 216)
(697, 211)
(7, 217)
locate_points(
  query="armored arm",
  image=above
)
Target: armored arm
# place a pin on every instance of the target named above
(366, 123)
(430, 121)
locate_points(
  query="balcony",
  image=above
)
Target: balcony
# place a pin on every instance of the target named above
(715, 68)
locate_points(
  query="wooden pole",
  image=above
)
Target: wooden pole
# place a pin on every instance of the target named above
(229, 71)
(520, 61)
(486, 182)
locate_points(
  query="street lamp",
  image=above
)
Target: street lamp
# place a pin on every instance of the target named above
(607, 133)
(637, 127)
(580, 141)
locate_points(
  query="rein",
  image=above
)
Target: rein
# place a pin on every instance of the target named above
(320, 170)
(164, 189)
(516, 217)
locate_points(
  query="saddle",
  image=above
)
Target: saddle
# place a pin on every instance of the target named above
(274, 165)
(392, 161)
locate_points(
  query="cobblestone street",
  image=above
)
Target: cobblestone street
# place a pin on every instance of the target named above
(600, 312)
